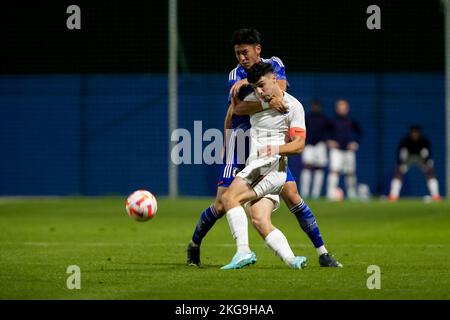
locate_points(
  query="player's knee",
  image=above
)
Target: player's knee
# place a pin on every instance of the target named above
(229, 200)
(291, 197)
(220, 208)
(261, 225)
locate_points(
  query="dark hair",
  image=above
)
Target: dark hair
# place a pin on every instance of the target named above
(246, 36)
(257, 71)
(415, 127)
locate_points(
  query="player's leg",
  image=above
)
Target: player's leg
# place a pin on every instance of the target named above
(320, 164)
(306, 175)
(350, 173)
(260, 212)
(206, 221)
(307, 221)
(336, 161)
(432, 182)
(238, 193)
(255, 181)
(397, 181)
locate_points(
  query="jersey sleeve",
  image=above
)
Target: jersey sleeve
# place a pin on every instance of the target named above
(297, 125)
(279, 68)
(297, 117)
(233, 77)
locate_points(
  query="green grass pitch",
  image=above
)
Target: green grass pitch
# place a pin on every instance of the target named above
(123, 259)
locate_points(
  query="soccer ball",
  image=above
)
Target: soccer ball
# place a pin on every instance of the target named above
(141, 205)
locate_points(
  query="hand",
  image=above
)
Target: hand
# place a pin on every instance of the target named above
(332, 144)
(277, 104)
(353, 146)
(268, 151)
(237, 86)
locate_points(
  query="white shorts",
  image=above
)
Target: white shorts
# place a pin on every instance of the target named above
(315, 155)
(274, 197)
(343, 161)
(266, 176)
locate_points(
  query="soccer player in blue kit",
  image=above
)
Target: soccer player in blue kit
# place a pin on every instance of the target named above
(247, 49)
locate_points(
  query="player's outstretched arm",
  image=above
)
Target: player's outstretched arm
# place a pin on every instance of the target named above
(252, 107)
(295, 146)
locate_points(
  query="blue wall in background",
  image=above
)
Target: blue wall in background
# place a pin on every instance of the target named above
(108, 134)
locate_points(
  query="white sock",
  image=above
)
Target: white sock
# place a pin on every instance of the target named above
(350, 182)
(237, 220)
(280, 246)
(321, 250)
(433, 186)
(306, 182)
(317, 184)
(333, 180)
(396, 186)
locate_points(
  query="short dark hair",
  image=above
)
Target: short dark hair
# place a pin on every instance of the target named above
(257, 71)
(246, 36)
(415, 127)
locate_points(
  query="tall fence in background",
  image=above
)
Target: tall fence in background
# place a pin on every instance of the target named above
(107, 134)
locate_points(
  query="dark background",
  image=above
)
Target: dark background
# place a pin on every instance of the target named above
(131, 36)
(86, 111)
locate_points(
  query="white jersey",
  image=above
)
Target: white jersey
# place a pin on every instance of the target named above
(269, 127)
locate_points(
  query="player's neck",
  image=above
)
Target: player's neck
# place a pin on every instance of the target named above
(278, 92)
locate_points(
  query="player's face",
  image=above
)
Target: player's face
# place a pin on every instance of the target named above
(415, 135)
(265, 87)
(342, 108)
(247, 54)
(316, 107)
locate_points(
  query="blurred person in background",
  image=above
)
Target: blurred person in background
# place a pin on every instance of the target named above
(344, 138)
(414, 149)
(314, 157)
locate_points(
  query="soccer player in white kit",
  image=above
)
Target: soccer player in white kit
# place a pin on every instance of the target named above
(274, 136)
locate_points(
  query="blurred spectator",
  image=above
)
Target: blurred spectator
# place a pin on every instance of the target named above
(414, 149)
(344, 138)
(314, 156)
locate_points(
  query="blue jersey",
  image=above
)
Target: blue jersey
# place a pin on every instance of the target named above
(239, 73)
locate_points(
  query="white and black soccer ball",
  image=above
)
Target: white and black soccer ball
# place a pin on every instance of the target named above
(141, 205)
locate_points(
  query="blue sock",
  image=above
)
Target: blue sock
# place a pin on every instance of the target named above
(308, 223)
(206, 221)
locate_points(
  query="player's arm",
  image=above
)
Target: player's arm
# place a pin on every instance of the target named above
(402, 151)
(247, 107)
(357, 134)
(227, 126)
(297, 133)
(295, 146)
(330, 136)
(227, 121)
(425, 152)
